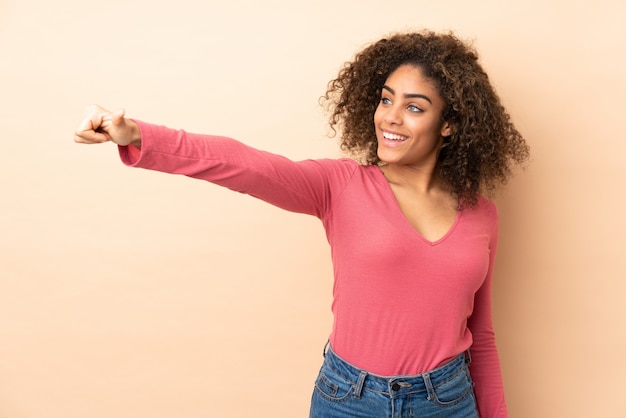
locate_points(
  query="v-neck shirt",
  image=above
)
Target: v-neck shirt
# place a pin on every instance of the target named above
(402, 305)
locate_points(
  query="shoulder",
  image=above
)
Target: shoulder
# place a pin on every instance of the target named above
(339, 163)
(341, 167)
(487, 205)
(484, 211)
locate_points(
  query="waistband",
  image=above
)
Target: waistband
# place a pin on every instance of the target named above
(395, 385)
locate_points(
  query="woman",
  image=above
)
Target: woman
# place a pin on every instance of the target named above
(413, 239)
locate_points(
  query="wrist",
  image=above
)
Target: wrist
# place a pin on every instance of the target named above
(135, 133)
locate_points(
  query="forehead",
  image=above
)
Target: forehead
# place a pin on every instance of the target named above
(407, 77)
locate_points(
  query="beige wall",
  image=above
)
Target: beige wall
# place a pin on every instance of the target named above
(126, 293)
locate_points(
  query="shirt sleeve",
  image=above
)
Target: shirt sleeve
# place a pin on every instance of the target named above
(485, 366)
(303, 187)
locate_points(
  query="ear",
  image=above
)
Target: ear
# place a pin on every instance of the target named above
(446, 129)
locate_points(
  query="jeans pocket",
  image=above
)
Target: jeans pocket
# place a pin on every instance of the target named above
(453, 390)
(332, 386)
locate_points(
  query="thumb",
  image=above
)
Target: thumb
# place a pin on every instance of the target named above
(114, 119)
(118, 116)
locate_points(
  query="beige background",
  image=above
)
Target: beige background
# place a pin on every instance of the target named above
(127, 293)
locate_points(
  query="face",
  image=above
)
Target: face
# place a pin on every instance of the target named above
(408, 121)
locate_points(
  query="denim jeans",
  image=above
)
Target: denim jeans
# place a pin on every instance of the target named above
(342, 390)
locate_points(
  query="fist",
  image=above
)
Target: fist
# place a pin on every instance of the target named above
(100, 125)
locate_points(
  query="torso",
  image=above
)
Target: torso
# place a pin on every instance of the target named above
(407, 268)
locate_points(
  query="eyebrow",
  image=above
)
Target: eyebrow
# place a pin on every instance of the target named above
(409, 95)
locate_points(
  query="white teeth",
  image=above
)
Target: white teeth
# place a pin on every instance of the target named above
(394, 137)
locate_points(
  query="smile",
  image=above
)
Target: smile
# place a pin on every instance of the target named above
(394, 137)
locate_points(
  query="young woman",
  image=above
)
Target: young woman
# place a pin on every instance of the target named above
(413, 237)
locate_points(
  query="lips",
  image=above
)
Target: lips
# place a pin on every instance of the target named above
(394, 137)
(391, 139)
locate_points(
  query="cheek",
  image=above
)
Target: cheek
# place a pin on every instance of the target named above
(377, 116)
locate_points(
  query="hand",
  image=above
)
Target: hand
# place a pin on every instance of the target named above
(100, 125)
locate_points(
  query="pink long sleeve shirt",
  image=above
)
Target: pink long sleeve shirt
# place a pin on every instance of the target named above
(401, 304)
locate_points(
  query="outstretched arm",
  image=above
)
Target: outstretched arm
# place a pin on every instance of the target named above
(304, 186)
(100, 125)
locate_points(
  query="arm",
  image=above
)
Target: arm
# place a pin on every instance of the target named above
(305, 186)
(485, 366)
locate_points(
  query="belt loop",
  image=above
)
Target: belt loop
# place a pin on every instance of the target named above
(468, 356)
(325, 347)
(430, 390)
(358, 387)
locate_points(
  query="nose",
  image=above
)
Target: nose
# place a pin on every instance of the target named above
(392, 115)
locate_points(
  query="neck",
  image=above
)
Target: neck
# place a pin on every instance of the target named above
(419, 179)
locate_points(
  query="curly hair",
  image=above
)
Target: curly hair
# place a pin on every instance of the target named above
(484, 146)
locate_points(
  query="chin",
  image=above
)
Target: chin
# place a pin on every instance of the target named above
(385, 159)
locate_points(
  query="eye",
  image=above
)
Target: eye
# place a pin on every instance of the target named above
(385, 100)
(413, 108)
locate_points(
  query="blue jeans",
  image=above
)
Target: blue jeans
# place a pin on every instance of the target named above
(342, 390)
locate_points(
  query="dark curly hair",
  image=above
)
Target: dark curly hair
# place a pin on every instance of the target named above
(484, 146)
